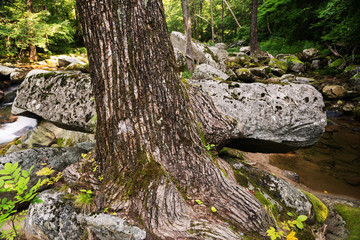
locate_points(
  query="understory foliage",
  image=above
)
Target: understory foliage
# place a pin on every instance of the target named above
(284, 26)
(14, 180)
(50, 26)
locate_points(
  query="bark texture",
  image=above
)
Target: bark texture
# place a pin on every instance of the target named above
(254, 44)
(149, 147)
(32, 47)
(187, 24)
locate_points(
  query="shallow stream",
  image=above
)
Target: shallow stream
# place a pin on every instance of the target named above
(332, 164)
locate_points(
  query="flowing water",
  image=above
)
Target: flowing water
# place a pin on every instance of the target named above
(10, 130)
(332, 164)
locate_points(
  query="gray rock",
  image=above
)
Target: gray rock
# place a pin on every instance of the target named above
(334, 91)
(293, 176)
(304, 80)
(205, 71)
(310, 53)
(201, 53)
(260, 71)
(221, 54)
(245, 49)
(82, 67)
(293, 62)
(6, 71)
(57, 219)
(222, 46)
(180, 59)
(53, 219)
(244, 75)
(290, 115)
(64, 61)
(17, 77)
(62, 98)
(287, 78)
(315, 64)
(278, 190)
(107, 227)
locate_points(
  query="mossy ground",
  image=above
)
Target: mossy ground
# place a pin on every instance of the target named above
(351, 215)
(321, 211)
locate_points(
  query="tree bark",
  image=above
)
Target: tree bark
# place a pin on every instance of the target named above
(148, 146)
(222, 20)
(187, 24)
(254, 44)
(32, 47)
(212, 21)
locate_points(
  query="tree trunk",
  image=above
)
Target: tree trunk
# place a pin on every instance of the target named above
(32, 47)
(187, 24)
(148, 148)
(254, 44)
(222, 20)
(212, 21)
(194, 20)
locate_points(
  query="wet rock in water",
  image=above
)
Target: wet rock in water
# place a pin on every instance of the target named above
(62, 98)
(205, 71)
(57, 219)
(273, 117)
(334, 92)
(293, 176)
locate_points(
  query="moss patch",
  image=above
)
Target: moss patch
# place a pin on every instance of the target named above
(351, 215)
(336, 63)
(321, 211)
(231, 152)
(356, 76)
(275, 63)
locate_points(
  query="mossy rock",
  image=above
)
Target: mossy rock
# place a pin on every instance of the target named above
(231, 152)
(275, 63)
(356, 76)
(321, 211)
(351, 215)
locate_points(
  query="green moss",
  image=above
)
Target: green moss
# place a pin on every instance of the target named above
(275, 63)
(351, 215)
(241, 179)
(145, 172)
(293, 59)
(263, 200)
(336, 63)
(321, 211)
(231, 152)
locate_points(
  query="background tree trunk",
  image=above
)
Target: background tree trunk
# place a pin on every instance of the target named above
(32, 47)
(254, 44)
(148, 145)
(187, 24)
(212, 21)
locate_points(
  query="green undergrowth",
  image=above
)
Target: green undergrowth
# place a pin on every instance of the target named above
(351, 215)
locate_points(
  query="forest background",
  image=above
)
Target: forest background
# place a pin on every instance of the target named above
(284, 26)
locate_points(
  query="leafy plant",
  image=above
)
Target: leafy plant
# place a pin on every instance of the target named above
(84, 199)
(13, 179)
(208, 147)
(287, 227)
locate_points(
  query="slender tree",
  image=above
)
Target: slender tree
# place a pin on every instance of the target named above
(187, 24)
(148, 146)
(212, 21)
(254, 44)
(32, 47)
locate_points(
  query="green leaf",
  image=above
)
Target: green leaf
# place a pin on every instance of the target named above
(302, 218)
(14, 167)
(198, 201)
(213, 209)
(290, 214)
(25, 173)
(300, 225)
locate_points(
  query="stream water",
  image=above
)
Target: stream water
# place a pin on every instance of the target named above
(10, 130)
(332, 164)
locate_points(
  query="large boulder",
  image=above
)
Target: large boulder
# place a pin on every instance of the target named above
(205, 71)
(334, 92)
(56, 218)
(272, 116)
(202, 54)
(293, 62)
(180, 59)
(62, 98)
(244, 75)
